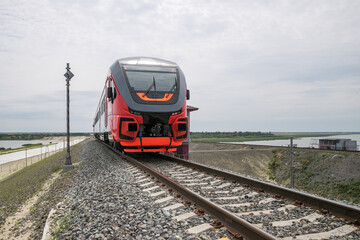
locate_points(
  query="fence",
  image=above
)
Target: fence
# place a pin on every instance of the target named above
(12, 162)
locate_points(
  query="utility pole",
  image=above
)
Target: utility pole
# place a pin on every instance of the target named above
(68, 75)
(291, 164)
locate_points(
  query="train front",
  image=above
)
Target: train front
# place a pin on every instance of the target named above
(150, 113)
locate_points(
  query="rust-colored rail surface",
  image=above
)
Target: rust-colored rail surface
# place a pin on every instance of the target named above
(236, 225)
(232, 222)
(342, 210)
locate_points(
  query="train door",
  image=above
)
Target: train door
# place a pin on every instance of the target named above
(106, 113)
(109, 107)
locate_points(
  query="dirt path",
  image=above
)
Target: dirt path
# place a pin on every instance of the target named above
(19, 225)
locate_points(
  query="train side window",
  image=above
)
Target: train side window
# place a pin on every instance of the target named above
(115, 93)
(113, 88)
(110, 90)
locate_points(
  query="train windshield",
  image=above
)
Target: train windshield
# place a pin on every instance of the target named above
(146, 78)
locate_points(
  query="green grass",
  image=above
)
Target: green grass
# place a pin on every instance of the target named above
(32, 145)
(62, 225)
(273, 165)
(55, 169)
(264, 138)
(351, 189)
(23, 184)
(310, 176)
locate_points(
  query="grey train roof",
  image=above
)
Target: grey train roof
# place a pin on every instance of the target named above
(147, 61)
(119, 78)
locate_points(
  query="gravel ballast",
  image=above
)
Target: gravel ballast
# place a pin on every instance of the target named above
(105, 202)
(258, 208)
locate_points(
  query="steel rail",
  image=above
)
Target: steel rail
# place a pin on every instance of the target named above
(233, 223)
(342, 210)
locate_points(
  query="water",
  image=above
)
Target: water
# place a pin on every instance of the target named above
(301, 142)
(35, 151)
(16, 144)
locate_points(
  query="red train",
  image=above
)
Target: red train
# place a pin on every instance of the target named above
(143, 106)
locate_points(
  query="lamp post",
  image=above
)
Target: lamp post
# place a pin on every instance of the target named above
(68, 76)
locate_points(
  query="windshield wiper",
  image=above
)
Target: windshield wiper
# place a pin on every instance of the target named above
(173, 86)
(153, 84)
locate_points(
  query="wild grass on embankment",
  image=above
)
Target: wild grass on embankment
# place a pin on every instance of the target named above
(331, 174)
(25, 183)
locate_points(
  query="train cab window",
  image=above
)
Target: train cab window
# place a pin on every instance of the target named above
(145, 78)
(152, 84)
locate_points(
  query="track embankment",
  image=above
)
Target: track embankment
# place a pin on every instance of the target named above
(281, 212)
(27, 196)
(109, 199)
(331, 174)
(106, 197)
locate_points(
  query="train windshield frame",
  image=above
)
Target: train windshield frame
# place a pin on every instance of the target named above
(152, 78)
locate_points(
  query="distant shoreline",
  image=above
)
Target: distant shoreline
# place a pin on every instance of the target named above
(48, 141)
(37, 136)
(273, 136)
(334, 133)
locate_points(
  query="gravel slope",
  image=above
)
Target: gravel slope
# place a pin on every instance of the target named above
(244, 159)
(106, 203)
(17, 190)
(331, 174)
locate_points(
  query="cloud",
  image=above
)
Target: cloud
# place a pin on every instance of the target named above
(252, 64)
(47, 112)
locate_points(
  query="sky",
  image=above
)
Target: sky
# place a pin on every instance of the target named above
(257, 65)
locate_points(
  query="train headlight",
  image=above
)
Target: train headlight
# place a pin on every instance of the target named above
(176, 113)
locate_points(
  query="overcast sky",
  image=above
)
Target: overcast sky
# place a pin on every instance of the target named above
(250, 65)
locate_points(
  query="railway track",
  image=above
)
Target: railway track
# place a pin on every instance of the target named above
(248, 208)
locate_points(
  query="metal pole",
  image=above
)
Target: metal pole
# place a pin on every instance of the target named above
(331, 185)
(291, 164)
(68, 157)
(68, 165)
(26, 155)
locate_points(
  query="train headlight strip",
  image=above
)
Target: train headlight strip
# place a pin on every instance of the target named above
(176, 113)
